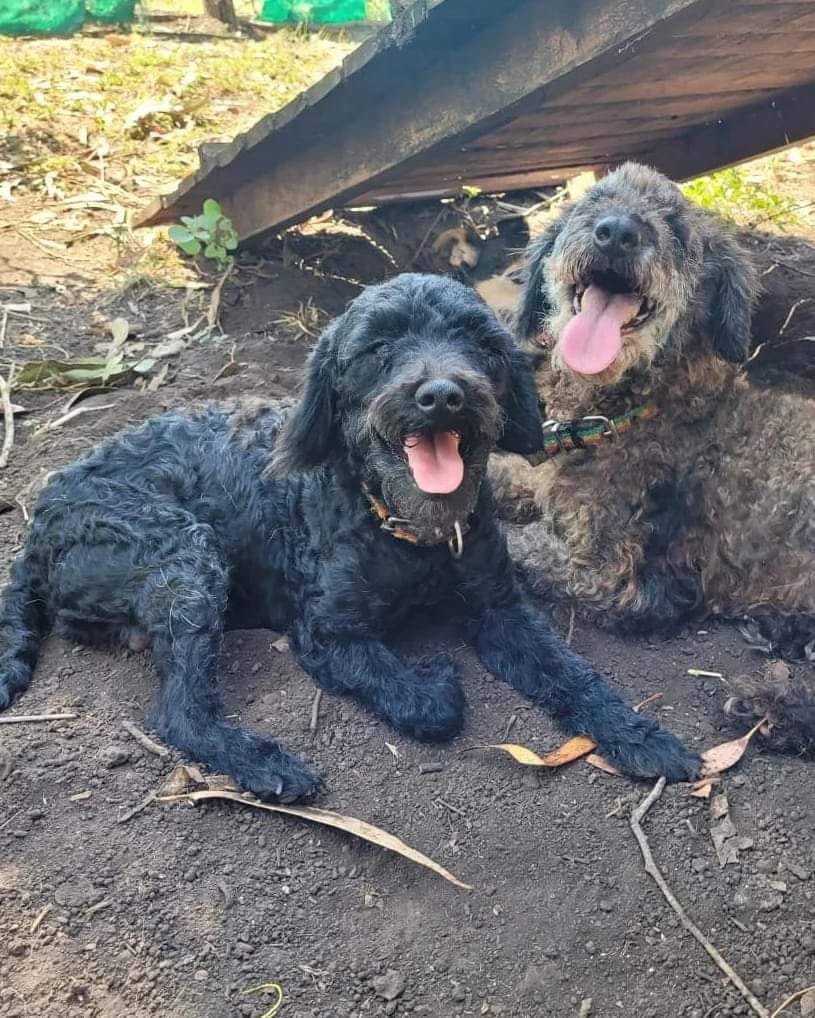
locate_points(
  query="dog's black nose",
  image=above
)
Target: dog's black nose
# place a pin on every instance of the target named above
(617, 236)
(440, 394)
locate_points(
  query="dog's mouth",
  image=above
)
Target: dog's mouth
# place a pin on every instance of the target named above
(435, 460)
(607, 307)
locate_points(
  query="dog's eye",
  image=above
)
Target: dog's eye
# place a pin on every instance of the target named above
(678, 226)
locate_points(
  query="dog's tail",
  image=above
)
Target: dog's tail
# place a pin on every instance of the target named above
(23, 623)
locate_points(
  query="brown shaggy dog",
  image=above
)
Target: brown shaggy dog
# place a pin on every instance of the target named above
(671, 488)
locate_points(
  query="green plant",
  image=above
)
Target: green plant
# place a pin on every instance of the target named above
(733, 195)
(212, 232)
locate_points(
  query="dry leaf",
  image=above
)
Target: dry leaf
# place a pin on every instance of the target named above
(602, 764)
(569, 751)
(183, 776)
(702, 789)
(281, 645)
(721, 758)
(120, 329)
(182, 779)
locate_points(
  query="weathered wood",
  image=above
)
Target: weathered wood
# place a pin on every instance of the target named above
(319, 157)
(520, 94)
(767, 127)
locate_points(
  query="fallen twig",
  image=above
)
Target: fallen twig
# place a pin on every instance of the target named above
(137, 809)
(8, 420)
(791, 1000)
(793, 309)
(27, 719)
(40, 916)
(653, 871)
(315, 711)
(215, 299)
(142, 739)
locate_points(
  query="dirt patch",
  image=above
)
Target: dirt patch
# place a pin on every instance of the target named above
(180, 909)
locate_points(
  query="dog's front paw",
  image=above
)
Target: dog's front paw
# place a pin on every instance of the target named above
(430, 707)
(280, 777)
(655, 754)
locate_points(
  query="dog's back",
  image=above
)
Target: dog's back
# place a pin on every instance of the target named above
(199, 469)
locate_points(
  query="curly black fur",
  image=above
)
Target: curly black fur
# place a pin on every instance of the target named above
(196, 521)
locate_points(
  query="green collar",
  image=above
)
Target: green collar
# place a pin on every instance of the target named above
(564, 436)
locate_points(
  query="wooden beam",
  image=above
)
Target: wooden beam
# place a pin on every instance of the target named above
(470, 66)
(759, 130)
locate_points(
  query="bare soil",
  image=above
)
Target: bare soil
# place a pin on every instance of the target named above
(178, 910)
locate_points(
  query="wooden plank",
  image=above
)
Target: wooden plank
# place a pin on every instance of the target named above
(506, 181)
(753, 19)
(785, 74)
(776, 43)
(574, 106)
(760, 130)
(485, 81)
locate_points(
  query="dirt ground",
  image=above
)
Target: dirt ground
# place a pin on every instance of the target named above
(177, 910)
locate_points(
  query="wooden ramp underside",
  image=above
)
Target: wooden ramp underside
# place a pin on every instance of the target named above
(519, 94)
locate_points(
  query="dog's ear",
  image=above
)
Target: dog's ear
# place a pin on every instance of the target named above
(534, 305)
(309, 434)
(523, 426)
(730, 292)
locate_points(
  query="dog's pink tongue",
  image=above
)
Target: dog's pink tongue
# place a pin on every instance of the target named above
(592, 340)
(437, 466)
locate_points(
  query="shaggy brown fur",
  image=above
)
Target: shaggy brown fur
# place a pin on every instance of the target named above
(708, 507)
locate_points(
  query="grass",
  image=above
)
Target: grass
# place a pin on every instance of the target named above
(65, 104)
(738, 196)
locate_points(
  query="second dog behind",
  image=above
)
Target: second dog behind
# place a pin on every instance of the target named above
(672, 488)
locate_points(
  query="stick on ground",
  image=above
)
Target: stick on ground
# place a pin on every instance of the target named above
(142, 739)
(653, 871)
(8, 421)
(27, 719)
(315, 711)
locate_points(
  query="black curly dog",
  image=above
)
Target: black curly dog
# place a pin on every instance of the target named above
(332, 523)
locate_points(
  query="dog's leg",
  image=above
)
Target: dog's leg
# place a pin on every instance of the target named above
(182, 608)
(516, 643)
(422, 697)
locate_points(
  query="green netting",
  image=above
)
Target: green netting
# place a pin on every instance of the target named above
(110, 11)
(321, 12)
(41, 17)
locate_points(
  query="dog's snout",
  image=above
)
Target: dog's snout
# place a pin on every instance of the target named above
(441, 395)
(617, 236)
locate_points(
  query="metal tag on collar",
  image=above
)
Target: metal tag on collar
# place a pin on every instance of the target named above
(456, 542)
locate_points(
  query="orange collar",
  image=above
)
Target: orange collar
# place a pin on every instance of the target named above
(400, 528)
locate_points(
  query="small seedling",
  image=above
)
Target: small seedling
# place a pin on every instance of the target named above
(211, 233)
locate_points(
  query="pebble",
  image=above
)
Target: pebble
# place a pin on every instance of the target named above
(76, 893)
(114, 755)
(200, 975)
(390, 986)
(458, 993)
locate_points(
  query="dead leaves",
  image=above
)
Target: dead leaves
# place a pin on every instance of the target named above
(187, 783)
(714, 761)
(572, 750)
(71, 374)
(722, 758)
